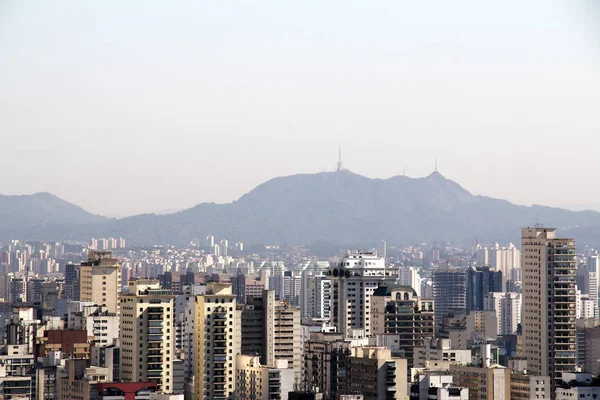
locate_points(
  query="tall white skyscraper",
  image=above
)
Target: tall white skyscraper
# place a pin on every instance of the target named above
(504, 259)
(548, 303)
(210, 241)
(482, 256)
(224, 247)
(593, 292)
(382, 250)
(315, 290)
(593, 265)
(409, 276)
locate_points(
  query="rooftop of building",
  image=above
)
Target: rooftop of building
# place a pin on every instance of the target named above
(103, 258)
(389, 289)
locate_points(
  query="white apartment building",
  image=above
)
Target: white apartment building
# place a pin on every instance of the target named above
(353, 281)
(508, 310)
(315, 290)
(315, 295)
(504, 259)
(409, 276)
(97, 321)
(586, 306)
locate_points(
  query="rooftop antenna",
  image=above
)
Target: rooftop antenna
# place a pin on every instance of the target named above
(339, 164)
(537, 221)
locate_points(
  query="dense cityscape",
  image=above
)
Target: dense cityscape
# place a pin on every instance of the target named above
(99, 320)
(310, 200)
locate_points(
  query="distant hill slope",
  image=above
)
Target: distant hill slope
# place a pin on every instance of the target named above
(42, 209)
(334, 207)
(26, 214)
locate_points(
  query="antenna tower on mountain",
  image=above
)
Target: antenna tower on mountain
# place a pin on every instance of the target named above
(436, 169)
(339, 163)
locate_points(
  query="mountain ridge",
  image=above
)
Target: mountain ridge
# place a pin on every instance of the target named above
(335, 207)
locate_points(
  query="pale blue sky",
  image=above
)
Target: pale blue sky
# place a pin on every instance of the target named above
(171, 103)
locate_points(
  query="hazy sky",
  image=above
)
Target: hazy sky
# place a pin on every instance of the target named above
(135, 106)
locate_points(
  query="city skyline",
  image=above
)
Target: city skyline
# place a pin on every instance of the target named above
(356, 324)
(202, 102)
(342, 200)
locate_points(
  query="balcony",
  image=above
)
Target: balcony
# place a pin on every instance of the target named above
(155, 367)
(564, 354)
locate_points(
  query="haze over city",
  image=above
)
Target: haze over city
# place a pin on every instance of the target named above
(172, 104)
(341, 200)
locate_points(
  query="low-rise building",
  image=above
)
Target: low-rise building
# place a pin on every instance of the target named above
(81, 380)
(126, 390)
(529, 387)
(490, 383)
(440, 350)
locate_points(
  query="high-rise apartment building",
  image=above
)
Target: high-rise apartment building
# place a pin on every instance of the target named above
(398, 310)
(524, 386)
(449, 291)
(508, 311)
(315, 291)
(482, 255)
(504, 259)
(147, 334)
(100, 280)
(382, 249)
(374, 373)
(325, 362)
(491, 382)
(262, 382)
(480, 282)
(409, 276)
(549, 302)
(215, 348)
(353, 281)
(97, 321)
(271, 329)
(593, 266)
(224, 247)
(210, 241)
(244, 287)
(287, 286)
